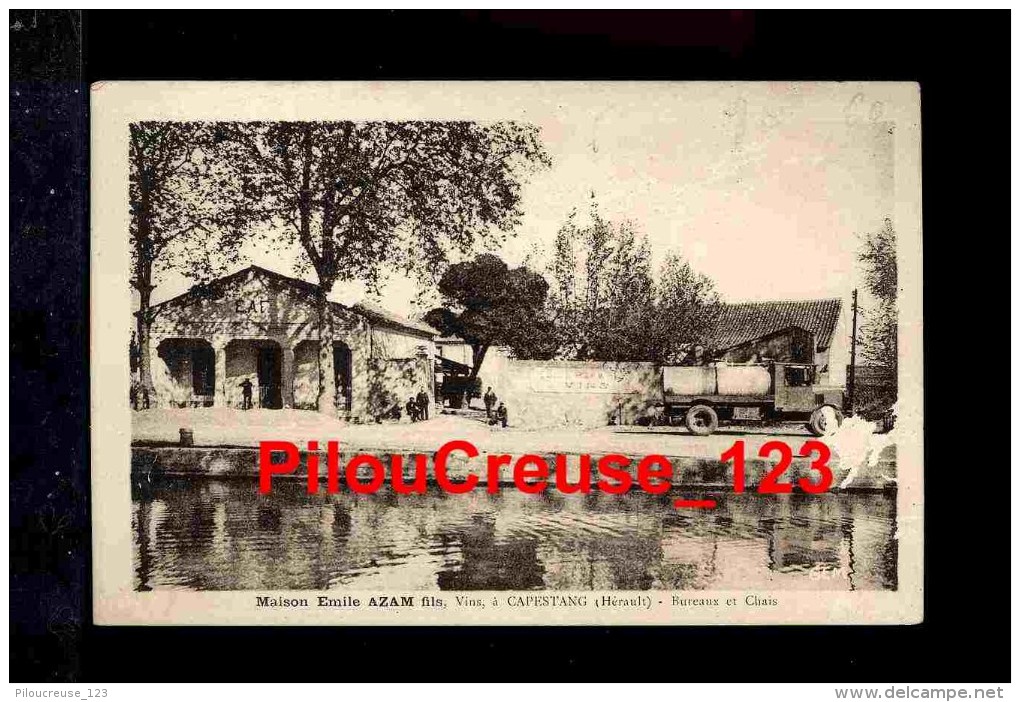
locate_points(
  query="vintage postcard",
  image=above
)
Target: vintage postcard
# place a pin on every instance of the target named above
(507, 353)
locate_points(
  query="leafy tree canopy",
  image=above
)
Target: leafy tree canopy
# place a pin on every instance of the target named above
(607, 305)
(880, 329)
(363, 196)
(179, 199)
(489, 303)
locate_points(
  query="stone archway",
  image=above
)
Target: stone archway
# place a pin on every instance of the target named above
(254, 367)
(189, 377)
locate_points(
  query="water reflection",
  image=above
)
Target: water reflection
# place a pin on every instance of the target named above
(211, 535)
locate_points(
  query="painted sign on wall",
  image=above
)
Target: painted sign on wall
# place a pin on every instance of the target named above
(560, 379)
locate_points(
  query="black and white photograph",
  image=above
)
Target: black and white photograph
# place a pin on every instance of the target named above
(706, 275)
(352, 348)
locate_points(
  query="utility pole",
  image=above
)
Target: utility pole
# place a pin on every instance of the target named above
(853, 357)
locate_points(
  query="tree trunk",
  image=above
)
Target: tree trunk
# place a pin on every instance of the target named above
(143, 280)
(147, 390)
(477, 358)
(322, 262)
(326, 401)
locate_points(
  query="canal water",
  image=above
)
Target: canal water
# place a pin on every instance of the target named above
(224, 535)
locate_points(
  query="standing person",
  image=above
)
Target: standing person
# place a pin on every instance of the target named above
(423, 404)
(501, 415)
(412, 409)
(246, 394)
(490, 400)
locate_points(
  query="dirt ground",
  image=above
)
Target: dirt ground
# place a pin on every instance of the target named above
(232, 427)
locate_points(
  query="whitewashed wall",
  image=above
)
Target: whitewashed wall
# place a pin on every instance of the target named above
(573, 393)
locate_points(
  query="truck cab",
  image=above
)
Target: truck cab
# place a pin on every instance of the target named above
(794, 389)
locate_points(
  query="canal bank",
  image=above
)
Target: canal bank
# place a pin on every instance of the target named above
(154, 462)
(225, 445)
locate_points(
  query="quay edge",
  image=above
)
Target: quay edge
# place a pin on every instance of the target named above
(154, 462)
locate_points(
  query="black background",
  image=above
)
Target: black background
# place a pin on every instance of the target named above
(962, 63)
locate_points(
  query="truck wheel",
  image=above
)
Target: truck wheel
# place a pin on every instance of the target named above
(825, 420)
(701, 420)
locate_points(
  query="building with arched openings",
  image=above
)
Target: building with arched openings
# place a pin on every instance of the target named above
(259, 327)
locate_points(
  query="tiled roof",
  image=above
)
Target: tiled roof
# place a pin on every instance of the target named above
(374, 312)
(202, 290)
(741, 322)
(382, 316)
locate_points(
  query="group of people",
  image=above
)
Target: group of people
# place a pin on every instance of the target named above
(418, 406)
(497, 416)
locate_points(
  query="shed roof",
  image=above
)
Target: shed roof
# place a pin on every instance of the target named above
(450, 366)
(379, 315)
(741, 322)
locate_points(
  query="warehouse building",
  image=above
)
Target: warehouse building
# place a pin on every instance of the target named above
(797, 331)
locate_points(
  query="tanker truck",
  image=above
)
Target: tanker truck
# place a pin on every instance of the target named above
(704, 396)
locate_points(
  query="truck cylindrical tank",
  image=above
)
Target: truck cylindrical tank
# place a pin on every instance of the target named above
(718, 379)
(688, 380)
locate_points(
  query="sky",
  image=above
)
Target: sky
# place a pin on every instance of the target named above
(766, 189)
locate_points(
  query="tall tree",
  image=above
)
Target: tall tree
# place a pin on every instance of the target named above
(628, 299)
(489, 303)
(878, 259)
(364, 197)
(687, 307)
(175, 196)
(581, 270)
(603, 292)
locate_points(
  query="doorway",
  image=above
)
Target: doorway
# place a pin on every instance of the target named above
(270, 385)
(342, 372)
